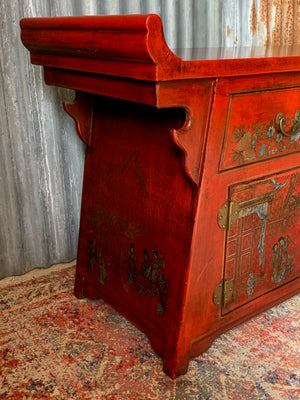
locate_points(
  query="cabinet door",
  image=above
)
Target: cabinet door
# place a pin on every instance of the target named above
(263, 239)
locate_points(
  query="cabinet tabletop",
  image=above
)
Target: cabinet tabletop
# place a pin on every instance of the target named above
(133, 46)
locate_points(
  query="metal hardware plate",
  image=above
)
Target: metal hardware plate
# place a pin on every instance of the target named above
(228, 215)
(223, 293)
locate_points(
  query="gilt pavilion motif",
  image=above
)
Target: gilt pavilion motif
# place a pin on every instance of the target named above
(260, 246)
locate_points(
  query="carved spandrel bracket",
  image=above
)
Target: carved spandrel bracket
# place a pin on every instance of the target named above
(82, 111)
(185, 139)
(196, 98)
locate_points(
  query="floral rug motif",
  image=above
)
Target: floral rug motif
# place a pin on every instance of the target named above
(54, 346)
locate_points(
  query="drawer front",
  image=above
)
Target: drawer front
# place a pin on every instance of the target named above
(261, 125)
(263, 240)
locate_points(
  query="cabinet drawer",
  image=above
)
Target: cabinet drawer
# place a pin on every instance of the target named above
(261, 125)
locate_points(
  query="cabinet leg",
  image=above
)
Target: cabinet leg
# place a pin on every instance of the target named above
(176, 368)
(175, 365)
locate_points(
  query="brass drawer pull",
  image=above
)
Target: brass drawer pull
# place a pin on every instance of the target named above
(294, 123)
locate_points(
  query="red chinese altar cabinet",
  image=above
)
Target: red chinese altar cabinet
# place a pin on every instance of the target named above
(191, 194)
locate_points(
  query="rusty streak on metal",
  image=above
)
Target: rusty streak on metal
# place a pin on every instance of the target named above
(253, 18)
(278, 21)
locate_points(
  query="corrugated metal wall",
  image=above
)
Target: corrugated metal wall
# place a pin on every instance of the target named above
(41, 160)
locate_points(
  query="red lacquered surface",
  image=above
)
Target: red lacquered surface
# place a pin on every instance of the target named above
(173, 138)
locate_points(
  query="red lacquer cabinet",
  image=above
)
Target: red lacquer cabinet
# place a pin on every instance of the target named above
(191, 194)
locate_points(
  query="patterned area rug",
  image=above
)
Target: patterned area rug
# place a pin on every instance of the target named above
(53, 346)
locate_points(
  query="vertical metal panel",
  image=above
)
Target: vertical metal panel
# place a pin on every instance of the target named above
(41, 157)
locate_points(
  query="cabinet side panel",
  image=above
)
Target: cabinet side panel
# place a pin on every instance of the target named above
(137, 208)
